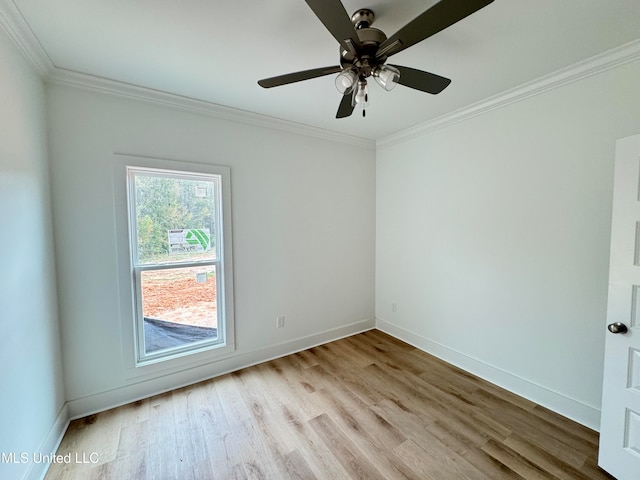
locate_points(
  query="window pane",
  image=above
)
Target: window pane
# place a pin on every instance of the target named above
(175, 218)
(179, 306)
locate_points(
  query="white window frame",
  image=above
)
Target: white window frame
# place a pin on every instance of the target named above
(203, 351)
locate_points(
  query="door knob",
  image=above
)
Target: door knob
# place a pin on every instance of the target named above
(617, 327)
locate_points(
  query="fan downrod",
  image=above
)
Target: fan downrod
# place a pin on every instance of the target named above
(362, 18)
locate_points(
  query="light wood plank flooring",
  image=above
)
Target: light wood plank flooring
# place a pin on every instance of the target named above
(368, 407)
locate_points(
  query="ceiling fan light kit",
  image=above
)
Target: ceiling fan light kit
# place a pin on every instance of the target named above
(364, 50)
(346, 80)
(386, 76)
(361, 97)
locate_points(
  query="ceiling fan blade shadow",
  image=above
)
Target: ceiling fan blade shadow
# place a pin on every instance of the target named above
(297, 76)
(440, 16)
(423, 81)
(335, 18)
(345, 109)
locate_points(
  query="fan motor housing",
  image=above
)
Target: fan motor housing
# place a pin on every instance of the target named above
(370, 39)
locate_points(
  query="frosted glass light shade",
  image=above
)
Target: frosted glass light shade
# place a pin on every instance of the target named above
(386, 76)
(346, 80)
(361, 95)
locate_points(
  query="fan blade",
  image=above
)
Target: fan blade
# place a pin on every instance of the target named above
(346, 108)
(440, 16)
(335, 18)
(423, 81)
(298, 76)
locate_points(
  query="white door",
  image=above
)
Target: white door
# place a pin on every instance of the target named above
(620, 422)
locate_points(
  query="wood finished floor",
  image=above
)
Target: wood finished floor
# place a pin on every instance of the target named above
(367, 407)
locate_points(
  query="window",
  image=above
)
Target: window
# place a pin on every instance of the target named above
(178, 261)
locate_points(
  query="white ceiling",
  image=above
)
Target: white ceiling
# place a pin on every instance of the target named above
(216, 51)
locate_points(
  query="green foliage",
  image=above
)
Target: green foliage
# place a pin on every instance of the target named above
(164, 204)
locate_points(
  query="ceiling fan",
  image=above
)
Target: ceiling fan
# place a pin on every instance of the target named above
(364, 50)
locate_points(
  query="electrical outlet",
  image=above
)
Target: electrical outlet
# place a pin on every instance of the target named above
(280, 321)
(394, 307)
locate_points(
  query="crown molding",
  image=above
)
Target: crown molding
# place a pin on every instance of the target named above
(19, 32)
(59, 76)
(608, 60)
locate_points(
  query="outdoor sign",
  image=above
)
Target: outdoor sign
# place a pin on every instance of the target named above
(189, 240)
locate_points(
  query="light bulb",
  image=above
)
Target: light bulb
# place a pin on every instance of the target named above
(386, 76)
(361, 95)
(346, 80)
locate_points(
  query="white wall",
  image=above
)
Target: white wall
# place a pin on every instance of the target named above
(31, 394)
(303, 227)
(493, 239)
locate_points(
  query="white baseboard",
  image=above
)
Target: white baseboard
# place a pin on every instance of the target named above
(557, 402)
(99, 402)
(50, 444)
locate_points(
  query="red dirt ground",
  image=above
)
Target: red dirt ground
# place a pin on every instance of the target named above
(177, 297)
